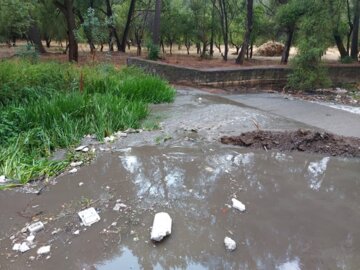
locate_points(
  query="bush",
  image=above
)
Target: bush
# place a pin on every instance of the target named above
(153, 51)
(42, 109)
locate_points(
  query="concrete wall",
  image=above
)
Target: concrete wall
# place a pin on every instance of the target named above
(269, 77)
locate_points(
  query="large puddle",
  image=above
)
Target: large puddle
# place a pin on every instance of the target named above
(303, 211)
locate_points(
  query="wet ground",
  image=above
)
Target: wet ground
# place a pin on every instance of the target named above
(303, 210)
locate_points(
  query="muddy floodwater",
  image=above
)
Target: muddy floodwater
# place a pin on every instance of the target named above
(302, 210)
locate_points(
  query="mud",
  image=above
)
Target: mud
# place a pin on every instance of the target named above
(302, 210)
(300, 140)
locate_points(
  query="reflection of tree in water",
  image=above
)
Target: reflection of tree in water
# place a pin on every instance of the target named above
(179, 183)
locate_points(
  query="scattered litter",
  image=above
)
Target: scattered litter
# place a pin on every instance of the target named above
(35, 227)
(130, 130)
(43, 250)
(16, 247)
(114, 224)
(238, 205)
(2, 179)
(30, 238)
(118, 206)
(55, 231)
(104, 149)
(76, 164)
(86, 149)
(82, 148)
(24, 247)
(230, 244)
(109, 139)
(161, 226)
(74, 170)
(31, 258)
(80, 184)
(121, 134)
(77, 232)
(89, 216)
(209, 169)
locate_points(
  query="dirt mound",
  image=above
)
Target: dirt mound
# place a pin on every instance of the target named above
(300, 140)
(270, 48)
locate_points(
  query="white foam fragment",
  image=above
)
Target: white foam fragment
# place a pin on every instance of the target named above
(24, 247)
(76, 164)
(109, 139)
(230, 244)
(238, 205)
(74, 170)
(35, 227)
(118, 206)
(89, 216)
(2, 179)
(44, 250)
(81, 148)
(16, 247)
(30, 238)
(161, 226)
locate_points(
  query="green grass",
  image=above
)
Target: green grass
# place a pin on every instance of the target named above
(47, 106)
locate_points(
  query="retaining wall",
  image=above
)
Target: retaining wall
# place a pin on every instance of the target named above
(265, 77)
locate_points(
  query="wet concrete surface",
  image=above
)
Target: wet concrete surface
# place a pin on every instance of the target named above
(303, 211)
(336, 119)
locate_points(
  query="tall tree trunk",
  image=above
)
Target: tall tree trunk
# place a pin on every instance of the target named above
(249, 26)
(113, 32)
(286, 52)
(212, 29)
(355, 36)
(127, 25)
(156, 26)
(67, 8)
(224, 27)
(339, 44)
(35, 37)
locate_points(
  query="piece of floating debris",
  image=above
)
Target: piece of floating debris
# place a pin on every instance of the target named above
(89, 216)
(74, 170)
(83, 148)
(109, 139)
(238, 205)
(35, 227)
(161, 226)
(43, 250)
(76, 164)
(2, 179)
(230, 244)
(118, 206)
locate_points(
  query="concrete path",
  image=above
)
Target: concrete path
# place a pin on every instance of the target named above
(330, 119)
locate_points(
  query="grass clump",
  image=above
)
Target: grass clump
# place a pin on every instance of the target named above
(47, 106)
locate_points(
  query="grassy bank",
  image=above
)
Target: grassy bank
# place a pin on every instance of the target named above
(47, 106)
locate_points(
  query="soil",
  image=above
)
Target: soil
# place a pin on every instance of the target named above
(300, 140)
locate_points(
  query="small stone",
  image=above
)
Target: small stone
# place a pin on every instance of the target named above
(74, 170)
(230, 244)
(35, 227)
(76, 164)
(77, 232)
(44, 250)
(238, 205)
(161, 226)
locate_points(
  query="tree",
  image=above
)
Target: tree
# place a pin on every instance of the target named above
(156, 26)
(249, 27)
(127, 25)
(355, 36)
(67, 8)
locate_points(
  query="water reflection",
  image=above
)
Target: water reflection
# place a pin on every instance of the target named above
(287, 226)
